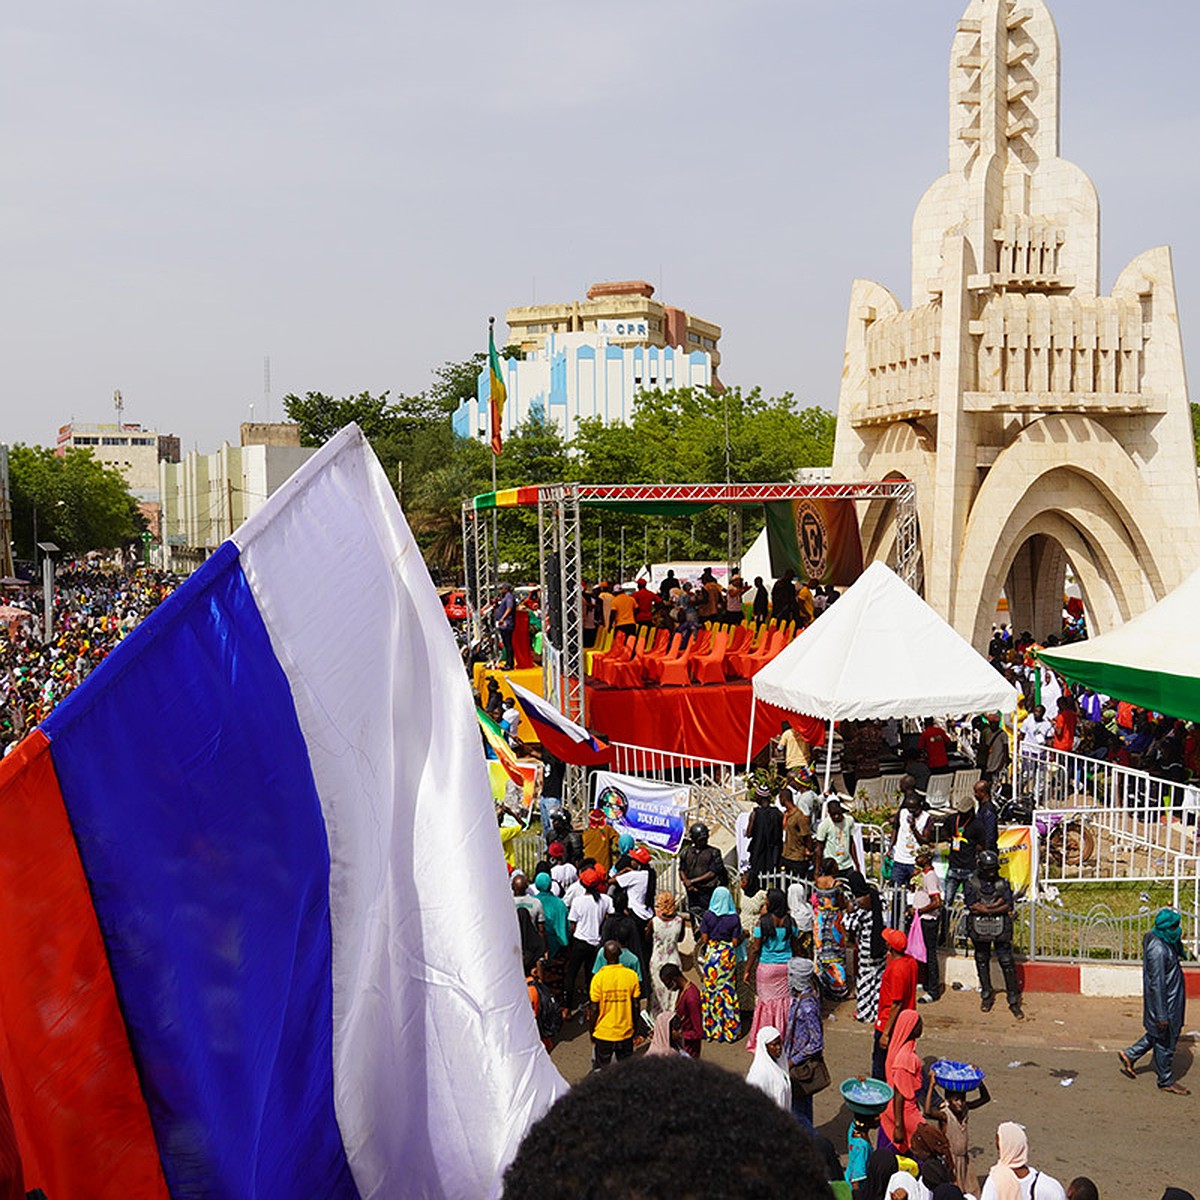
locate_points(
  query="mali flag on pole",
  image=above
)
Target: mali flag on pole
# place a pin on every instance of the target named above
(497, 392)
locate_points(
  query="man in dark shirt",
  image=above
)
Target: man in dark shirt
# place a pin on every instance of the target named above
(784, 605)
(986, 814)
(967, 839)
(505, 617)
(701, 869)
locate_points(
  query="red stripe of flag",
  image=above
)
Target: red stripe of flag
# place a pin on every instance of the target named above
(80, 1117)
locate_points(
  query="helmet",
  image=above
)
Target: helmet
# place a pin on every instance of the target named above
(698, 832)
(988, 862)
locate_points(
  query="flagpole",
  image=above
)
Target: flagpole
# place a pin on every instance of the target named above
(495, 522)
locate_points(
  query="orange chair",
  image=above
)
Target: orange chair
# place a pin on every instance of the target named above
(735, 658)
(747, 664)
(739, 639)
(675, 671)
(628, 674)
(710, 667)
(614, 651)
(653, 664)
(614, 668)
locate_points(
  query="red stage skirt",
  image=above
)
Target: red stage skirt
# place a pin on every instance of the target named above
(710, 721)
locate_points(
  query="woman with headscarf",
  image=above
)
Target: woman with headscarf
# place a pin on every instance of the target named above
(829, 934)
(767, 1072)
(666, 932)
(881, 1166)
(717, 945)
(772, 945)
(902, 1186)
(1163, 1001)
(800, 906)
(900, 1120)
(864, 923)
(1012, 1178)
(803, 1037)
(558, 934)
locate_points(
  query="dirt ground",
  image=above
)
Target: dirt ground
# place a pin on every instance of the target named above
(1055, 1072)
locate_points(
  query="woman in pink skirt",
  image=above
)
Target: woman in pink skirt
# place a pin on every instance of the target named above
(773, 943)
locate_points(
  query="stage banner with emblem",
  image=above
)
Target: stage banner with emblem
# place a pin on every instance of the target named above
(818, 539)
(650, 812)
(1015, 848)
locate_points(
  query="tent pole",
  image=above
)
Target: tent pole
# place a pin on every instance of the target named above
(828, 755)
(750, 737)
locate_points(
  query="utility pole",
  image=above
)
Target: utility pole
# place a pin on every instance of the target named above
(6, 529)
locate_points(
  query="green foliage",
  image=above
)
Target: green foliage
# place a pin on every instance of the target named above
(80, 504)
(675, 436)
(1196, 427)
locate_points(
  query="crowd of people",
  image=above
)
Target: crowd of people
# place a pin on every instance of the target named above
(684, 606)
(799, 927)
(95, 606)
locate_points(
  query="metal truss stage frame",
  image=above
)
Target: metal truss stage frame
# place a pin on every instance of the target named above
(560, 558)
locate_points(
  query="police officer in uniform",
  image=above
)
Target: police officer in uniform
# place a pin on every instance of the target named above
(989, 900)
(701, 869)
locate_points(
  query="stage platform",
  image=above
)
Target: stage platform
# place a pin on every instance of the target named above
(708, 721)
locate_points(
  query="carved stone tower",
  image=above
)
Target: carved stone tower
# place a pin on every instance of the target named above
(1043, 422)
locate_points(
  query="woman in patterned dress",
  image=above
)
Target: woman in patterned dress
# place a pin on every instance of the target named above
(829, 934)
(716, 956)
(864, 923)
(666, 930)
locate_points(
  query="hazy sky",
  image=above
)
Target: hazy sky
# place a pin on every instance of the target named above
(353, 188)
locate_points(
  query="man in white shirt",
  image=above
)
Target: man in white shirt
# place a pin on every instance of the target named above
(562, 872)
(585, 915)
(911, 829)
(1037, 732)
(635, 880)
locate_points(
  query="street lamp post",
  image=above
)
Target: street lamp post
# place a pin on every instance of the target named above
(48, 549)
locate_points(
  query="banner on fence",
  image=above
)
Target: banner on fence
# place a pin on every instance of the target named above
(650, 812)
(1015, 847)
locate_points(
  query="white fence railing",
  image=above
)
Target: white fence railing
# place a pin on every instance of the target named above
(1100, 821)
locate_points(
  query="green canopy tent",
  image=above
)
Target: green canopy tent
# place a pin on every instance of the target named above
(1152, 661)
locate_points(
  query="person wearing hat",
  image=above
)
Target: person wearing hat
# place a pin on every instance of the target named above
(600, 839)
(1163, 999)
(765, 834)
(897, 992)
(989, 900)
(585, 917)
(643, 603)
(637, 877)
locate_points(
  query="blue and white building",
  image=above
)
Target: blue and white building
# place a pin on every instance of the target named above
(578, 376)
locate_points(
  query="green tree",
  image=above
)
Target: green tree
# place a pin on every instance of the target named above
(80, 504)
(1196, 427)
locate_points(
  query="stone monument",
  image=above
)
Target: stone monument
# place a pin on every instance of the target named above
(1043, 423)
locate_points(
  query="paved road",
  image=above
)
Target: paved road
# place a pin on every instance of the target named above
(1129, 1137)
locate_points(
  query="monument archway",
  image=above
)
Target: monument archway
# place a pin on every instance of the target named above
(1044, 423)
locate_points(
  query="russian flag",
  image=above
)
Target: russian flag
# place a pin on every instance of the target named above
(560, 736)
(255, 934)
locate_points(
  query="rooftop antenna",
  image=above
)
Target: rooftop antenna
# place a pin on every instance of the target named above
(267, 386)
(119, 405)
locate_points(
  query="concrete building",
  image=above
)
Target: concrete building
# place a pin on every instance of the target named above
(1044, 423)
(624, 313)
(574, 376)
(207, 496)
(130, 448)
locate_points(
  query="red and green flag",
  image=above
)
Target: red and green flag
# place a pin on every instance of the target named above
(497, 393)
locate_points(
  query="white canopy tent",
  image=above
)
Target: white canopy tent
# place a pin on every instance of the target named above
(880, 652)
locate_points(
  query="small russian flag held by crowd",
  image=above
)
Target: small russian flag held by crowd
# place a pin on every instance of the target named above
(255, 934)
(560, 736)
